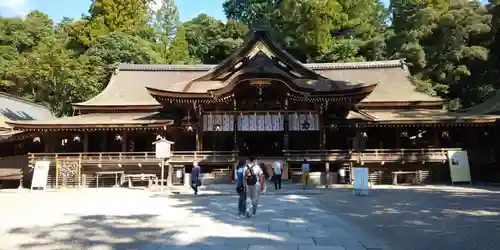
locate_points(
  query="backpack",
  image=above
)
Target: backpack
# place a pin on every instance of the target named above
(251, 178)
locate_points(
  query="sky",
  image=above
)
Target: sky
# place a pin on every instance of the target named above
(57, 9)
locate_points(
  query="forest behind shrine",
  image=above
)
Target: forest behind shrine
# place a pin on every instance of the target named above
(451, 47)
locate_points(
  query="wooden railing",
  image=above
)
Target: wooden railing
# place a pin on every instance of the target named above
(367, 155)
(139, 157)
(371, 155)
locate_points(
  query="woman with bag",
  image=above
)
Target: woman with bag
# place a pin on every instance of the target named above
(240, 189)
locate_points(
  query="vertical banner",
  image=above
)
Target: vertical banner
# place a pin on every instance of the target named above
(458, 161)
(360, 184)
(40, 175)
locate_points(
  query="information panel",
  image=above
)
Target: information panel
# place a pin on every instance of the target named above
(459, 166)
(360, 184)
(40, 175)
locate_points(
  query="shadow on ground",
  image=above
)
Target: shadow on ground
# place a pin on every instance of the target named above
(198, 222)
(423, 218)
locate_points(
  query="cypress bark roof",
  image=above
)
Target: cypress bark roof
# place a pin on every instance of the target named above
(259, 55)
(101, 121)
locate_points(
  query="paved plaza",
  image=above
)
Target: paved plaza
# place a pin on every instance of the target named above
(423, 218)
(138, 219)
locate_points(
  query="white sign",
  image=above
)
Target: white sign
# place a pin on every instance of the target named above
(458, 160)
(360, 184)
(162, 148)
(40, 175)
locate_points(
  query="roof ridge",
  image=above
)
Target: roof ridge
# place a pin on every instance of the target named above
(312, 66)
(358, 65)
(165, 67)
(18, 98)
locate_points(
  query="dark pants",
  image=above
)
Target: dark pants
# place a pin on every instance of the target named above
(242, 202)
(194, 187)
(277, 181)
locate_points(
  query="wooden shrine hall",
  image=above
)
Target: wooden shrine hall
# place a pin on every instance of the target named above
(260, 102)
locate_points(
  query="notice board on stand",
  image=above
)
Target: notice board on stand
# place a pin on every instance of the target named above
(360, 184)
(458, 161)
(40, 175)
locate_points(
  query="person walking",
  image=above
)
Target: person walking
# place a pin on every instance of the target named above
(305, 172)
(253, 182)
(240, 189)
(277, 174)
(195, 177)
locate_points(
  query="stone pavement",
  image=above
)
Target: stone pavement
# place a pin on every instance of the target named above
(229, 189)
(135, 219)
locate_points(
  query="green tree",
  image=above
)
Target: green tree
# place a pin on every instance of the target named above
(445, 43)
(310, 29)
(118, 47)
(210, 40)
(51, 75)
(164, 21)
(178, 52)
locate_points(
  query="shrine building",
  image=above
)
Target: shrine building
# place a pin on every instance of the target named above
(260, 102)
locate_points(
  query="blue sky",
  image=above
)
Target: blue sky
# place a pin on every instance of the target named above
(57, 9)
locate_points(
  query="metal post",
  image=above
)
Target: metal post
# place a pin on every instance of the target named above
(162, 165)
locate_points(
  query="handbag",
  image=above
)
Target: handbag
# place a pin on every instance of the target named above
(198, 183)
(239, 189)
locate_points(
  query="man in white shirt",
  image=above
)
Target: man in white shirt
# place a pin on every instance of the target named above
(277, 169)
(253, 182)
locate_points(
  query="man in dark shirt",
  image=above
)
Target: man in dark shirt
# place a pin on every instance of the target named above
(195, 175)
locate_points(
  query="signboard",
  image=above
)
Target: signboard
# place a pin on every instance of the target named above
(360, 184)
(40, 175)
(458, 161)
(162, 149)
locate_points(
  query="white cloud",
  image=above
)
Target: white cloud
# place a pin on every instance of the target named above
(14, 7)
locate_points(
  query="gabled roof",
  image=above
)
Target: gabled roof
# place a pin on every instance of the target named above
(489, 106)
(98, 121)
(429, 116)
(13, 108)
(127, 87)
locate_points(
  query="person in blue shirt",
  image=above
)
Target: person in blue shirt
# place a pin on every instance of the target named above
(240, 169)
(195, 177)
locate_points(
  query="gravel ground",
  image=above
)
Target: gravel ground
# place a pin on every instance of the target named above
(423, 218)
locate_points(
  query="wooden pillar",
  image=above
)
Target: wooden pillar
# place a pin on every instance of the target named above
(322, 132)
(197, 138)
(85, 141)
(285, 127)
(124, 141)
(435, 132)
(327, 174)
(49, 140)
(398, 138)
(235, 126)
(199, 130)
(104, 142)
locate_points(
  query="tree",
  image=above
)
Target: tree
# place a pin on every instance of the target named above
(164, 21)
(120, 15)
(178, 52)
(51, 75)
(118, 47)
(309, 29)
(445, 43)
(210, 40)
